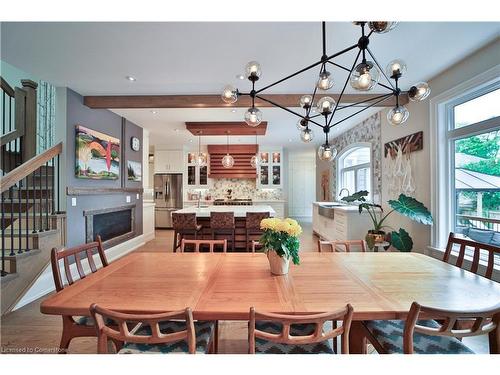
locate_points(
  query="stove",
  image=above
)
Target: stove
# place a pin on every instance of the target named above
(233, 202)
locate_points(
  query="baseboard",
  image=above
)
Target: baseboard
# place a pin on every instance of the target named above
(44, 284)
(148, 236)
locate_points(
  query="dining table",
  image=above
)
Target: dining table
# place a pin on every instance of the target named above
(223, 286)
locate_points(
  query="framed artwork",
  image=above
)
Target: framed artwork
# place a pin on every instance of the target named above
(97, 155)
(134, 170)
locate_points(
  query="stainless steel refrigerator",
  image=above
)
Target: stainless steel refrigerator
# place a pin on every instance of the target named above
(168, 198)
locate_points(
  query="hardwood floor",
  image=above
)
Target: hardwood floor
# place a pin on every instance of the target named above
(28, 331)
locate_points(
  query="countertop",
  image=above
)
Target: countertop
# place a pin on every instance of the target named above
(345, 208)
(239, 211)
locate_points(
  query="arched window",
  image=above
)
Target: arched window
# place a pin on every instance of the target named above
(354, 171)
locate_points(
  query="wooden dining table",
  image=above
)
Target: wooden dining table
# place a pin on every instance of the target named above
(223, 286)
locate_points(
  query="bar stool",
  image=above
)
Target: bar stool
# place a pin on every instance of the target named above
(253, 224)
(223, 223)
(184, 224)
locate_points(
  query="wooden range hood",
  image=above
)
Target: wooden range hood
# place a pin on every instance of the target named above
(241, 154)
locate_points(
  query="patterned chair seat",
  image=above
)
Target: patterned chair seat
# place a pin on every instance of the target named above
(268, 347)
(389, 333)
(89, 322)
(204, 332)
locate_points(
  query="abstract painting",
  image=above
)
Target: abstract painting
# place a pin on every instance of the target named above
(97, 155)
(134, 170)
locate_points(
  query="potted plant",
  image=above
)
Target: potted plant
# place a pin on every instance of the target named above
(280, 241)
(405, 205)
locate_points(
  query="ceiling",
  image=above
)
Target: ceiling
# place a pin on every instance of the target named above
(201, 57)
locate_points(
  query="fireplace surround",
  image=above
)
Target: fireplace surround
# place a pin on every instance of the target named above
(114, 224)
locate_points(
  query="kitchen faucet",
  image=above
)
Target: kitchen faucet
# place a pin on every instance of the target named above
(341, 190)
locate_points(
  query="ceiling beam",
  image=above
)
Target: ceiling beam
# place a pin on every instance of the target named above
(223, 128)
(215, 101)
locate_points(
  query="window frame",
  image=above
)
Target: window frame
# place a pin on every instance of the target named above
(340, 169)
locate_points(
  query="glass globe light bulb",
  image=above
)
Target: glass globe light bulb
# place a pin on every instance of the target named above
(253, 116)
(306, 135)
(396, 68)
(254, 161)
(419, 92)
(326, 152)
(325, 105)
(200, 160)
(398, 115)
(364, 76)
(227, 161)
(253, 70)
(325, 81)
(229, 94)
(382, 27)
(305, 101)
(302, 124)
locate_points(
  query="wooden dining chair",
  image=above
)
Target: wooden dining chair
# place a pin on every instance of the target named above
(199, 243)
(332, 245)
(270, 333)
(82, 326)
(255, 245)
(471, 247)
(172, 332)
(433, 336)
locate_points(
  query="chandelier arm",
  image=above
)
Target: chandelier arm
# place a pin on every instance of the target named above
(307, 68)
(288, 110)
(323, 27)
(339, 66)
(364, 109)
(382, 70)
(343, 89)
(313, 96)
(365, 101)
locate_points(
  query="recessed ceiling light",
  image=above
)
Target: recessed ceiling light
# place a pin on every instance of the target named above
(176, 130)
(154, 112)
(191, 141)
(130, 78)
(240, 76)
(233, 110)
(289, 139)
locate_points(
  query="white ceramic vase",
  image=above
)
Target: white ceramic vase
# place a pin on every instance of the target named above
(278, 265)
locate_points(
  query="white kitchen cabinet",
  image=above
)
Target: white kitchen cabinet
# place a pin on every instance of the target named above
(278, 206)
(270, 169)
(346, 224)
(169, 161)
(196, 176)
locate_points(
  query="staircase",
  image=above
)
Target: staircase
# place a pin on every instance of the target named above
(31, 221)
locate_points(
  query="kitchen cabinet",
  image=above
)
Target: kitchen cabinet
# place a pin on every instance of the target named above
(168, 161)
(347, 224)
(197, 177)
(270, 169)
(277, 206)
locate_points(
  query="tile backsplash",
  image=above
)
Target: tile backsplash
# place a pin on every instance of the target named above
(241, 188)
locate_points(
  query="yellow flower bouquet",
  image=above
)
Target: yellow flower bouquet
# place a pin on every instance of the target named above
(282, 237)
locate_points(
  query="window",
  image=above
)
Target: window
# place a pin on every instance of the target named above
(354, 169)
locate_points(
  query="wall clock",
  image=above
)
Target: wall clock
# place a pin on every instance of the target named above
(135, 143)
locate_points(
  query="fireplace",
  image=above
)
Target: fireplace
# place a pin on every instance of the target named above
(114, 225)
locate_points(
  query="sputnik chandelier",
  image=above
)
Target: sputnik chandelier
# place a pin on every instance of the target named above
(324, 112)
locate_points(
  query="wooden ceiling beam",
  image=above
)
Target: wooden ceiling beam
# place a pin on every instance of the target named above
(225, 127)
(215, 101)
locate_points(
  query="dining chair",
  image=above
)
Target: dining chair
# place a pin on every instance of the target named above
(222, 223)
(468, 248)
(256, 244)
(184, 224)
(252, 225)
(199, 243)
(270, 333)
(172, 332)
(433, 336)
(82, 326)
(332, 245)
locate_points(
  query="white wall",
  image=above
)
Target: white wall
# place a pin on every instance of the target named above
(419, 119)
(301, 182)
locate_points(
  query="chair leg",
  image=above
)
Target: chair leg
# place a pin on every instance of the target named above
(174, 246)
(234, 238)
(334, 326)
(216, 337)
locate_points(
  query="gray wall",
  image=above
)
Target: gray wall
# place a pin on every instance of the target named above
(107, 122)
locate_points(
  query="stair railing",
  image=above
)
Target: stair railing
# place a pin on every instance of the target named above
(29, 199)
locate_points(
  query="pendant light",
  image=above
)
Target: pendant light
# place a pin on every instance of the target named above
(200, 159)
(227, 160)
(255, 160)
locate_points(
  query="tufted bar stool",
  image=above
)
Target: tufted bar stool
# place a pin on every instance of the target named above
(223, 223)
(252, 226)
(184, 224)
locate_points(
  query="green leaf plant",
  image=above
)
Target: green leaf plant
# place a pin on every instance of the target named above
(404, 205)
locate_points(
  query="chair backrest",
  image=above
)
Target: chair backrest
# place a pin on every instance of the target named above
(183, 221)
(75, 252)
(197, 243)
(332, 245)
(253, 219)
(256, 244)
(479, 322)
(476, 248)
(284, 337)
(222, 220)
(124, 334)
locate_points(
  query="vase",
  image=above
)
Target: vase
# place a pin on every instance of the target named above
(375, 237)
(279, 265)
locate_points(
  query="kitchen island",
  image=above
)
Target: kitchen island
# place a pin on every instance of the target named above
(240, 212)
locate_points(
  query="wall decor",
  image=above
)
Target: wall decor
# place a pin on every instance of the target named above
(410, 143)
(134, 170)
(97, 155)
(135, 144)
(325, 185)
